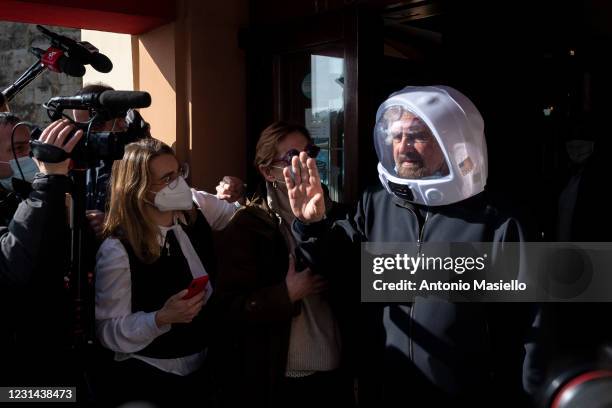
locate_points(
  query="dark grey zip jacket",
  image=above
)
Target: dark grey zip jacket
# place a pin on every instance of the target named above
(34, 251)
(429, 352)
(35, 225)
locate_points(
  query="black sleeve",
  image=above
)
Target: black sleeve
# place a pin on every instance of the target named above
(242, 296)
(37, 219)
(322, 242)
(509, 323)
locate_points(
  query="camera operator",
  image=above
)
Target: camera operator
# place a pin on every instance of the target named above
(12, 194)
(97, 179)
(230, 189)
(32, 268)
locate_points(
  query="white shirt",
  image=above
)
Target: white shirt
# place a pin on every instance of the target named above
(124, 332)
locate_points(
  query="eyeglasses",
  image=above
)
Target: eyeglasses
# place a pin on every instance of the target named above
(311, 150)
(171, 180)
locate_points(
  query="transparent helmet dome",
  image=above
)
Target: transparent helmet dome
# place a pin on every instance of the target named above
(430, 145)
(407, 147)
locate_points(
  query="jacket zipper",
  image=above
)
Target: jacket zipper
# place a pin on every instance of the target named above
(420, 240)
(419, 245)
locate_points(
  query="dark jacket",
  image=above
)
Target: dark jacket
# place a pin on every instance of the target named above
(41, 216)
(431, 350)
(568, 336)
(9, 201)
(33, 261)
(97, 185)
(254, 307)
(589, 200)
(253, 304)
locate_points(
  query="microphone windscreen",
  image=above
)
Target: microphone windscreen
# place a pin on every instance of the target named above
(124, 100)
(71, 67)
(101, 62)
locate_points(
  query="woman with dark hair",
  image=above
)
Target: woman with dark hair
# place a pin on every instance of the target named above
(281, 343)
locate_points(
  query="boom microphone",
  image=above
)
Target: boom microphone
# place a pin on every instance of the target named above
(89, 54)
(124, 100)
(55, 60)
(114, 101)
(82, 51)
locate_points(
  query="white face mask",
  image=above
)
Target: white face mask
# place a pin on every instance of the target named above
(579, 150)
(177, 198)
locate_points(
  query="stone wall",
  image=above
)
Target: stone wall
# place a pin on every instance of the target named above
(15, 42)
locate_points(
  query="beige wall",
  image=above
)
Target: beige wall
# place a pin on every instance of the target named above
(118, 47)
(156, 75)
(218, 92)
(195, 73)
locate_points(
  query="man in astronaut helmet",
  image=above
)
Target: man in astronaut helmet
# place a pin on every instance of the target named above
(433, 169)
(431, 147)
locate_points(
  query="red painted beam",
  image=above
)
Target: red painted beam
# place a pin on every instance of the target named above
(128, 17)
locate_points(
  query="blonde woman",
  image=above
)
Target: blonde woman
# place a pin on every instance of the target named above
(158, 239)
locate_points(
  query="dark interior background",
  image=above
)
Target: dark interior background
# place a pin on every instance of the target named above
(513, 59)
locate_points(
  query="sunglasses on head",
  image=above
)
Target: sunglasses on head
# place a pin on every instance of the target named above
(311, 150)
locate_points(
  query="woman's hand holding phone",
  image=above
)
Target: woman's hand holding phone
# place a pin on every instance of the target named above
(177, 309)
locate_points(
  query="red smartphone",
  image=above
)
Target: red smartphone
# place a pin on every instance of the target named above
(196, 286)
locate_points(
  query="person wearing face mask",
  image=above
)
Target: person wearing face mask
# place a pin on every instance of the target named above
(33, 262)
(97, 178)
(567, 338)
(433, 171)
(158, 239)
(17, 168)
(578, 195)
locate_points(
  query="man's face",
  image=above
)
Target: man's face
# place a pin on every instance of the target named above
(113, 125)
(22, 147)
(415, 149)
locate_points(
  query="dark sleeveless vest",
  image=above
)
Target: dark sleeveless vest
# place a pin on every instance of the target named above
(153, 284)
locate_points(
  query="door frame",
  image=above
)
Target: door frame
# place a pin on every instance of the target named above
(360, 31)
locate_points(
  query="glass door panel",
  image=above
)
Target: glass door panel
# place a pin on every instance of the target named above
(312, 94)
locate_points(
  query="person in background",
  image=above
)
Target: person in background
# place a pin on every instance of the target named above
(17, 168)
(281, 342)
(97, 178)
(33, 258)
(564, 339)
(230, 189)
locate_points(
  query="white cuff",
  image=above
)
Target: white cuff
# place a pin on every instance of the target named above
(153, 327)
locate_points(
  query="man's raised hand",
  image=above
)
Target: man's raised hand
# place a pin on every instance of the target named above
(305, 191)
